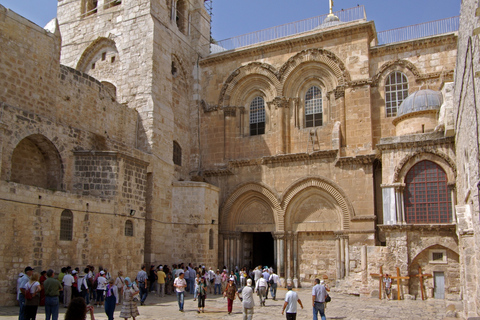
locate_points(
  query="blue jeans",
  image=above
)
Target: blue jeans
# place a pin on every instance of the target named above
(273, 290)
(21, 301)
(319, 307)
(219, 287)
(143, 292)
(110, 303)
(51, 308)
(180, 297)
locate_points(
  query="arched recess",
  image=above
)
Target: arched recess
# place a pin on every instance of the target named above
(330, 194)
(448, 263)
(37, 162)
(405, 66)
(319, 57)
(440, 158)
(102, 50)
(252, 196)
(257, 75)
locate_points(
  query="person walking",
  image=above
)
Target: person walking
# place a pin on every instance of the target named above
(201, 294)
(273, 279)
(120, 283)
(261, 290)
(129, 306)
(319, 292)
(111, 298)
(142, 285)
(230, 292)
(23, 279)
(218, 283)
(68, 281)
(180, 284)
(32, 294)
(161, 282)
(291, 299)
(52, 291)
(247, 300)
(101, 286)
(152, 278)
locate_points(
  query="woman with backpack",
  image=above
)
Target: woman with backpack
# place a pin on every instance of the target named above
(32, 296)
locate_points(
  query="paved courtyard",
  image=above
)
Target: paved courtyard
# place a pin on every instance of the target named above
(341, 307)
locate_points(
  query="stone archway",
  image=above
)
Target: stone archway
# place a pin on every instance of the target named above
(435, 259)
(37, 162)
(316, 214)
(249, 216)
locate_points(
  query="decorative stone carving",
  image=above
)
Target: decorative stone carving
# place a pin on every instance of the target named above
(230, 111)
(208, 108)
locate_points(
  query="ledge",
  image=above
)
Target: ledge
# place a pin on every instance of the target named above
(419, 227)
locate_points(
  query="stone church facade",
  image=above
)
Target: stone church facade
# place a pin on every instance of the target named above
(325, 153)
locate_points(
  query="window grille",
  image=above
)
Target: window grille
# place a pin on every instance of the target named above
(396, 90)
(313, 108)
(66, 225)
(177, 154)
(257, 116)
(427, 198)
(129, 228)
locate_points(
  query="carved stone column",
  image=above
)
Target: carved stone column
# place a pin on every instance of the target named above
(295, 253)
(338, 258)
(229, 116)
(3, 127)
(278, 109)
(347, 257)
(279, 247)
(225, 249)
(238, 239)
(288, 260)
(342, 257)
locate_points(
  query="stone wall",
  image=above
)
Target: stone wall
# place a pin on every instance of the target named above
(466, 110)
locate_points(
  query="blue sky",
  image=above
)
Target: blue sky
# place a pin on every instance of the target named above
(236, 17)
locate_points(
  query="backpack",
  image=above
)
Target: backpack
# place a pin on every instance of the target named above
(28, 293)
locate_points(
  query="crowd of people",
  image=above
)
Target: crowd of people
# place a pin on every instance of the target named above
(89, 288)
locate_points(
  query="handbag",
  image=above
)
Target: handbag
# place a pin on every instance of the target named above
(327, 298)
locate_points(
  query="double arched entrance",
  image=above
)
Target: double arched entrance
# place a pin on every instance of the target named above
(302, 233)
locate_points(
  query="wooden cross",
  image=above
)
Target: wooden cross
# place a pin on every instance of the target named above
(420, 276)
(398, 282)
(380, 278)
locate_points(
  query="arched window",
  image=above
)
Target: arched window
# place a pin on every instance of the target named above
(427, 198)
(181, 15)
(210, 239)
(66, 225)
(177, 154)
(257, 116)
(396, 90)
(129, 228)
(313, 108)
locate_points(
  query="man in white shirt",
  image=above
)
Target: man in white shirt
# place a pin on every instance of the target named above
(67, 288)
(180, 284)
(273, 279)
(319, 292)
(247, 300)
(101, 286)
(291, 299)
(142, 284)
(261, 290)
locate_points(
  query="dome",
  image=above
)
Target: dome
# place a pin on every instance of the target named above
(421, 100)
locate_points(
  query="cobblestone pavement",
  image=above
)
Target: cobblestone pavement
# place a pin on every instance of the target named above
(341, 307)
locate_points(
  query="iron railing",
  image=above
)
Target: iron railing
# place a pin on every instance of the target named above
(289, 29)
(417, 31)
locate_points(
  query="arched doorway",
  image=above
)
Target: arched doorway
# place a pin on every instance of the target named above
(247, 227)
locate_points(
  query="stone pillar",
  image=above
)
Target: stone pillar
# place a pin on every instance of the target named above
(280, 260)
(347, 257)
(338, 258)
(225, 249)
(239, 261)
(232, 253)
(295, 256)
(288, 240)
(342, 257)
(278, 109)
(229, 114)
